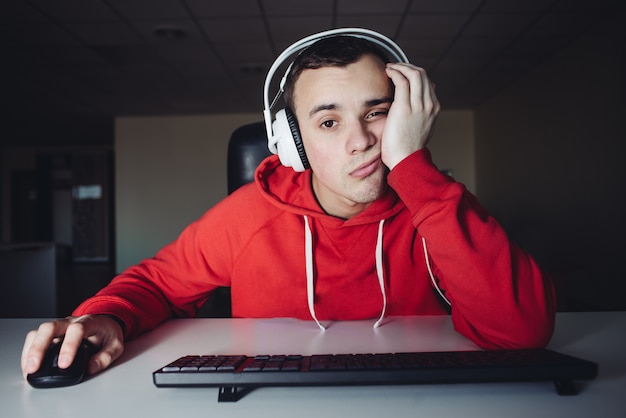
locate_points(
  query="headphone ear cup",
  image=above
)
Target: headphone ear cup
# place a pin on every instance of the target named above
(288, 142)
(297, 139)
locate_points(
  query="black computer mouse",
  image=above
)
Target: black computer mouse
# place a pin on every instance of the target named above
(50, 375)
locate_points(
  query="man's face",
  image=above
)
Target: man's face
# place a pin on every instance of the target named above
(341, 112)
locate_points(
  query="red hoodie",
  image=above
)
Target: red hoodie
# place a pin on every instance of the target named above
(260, 239)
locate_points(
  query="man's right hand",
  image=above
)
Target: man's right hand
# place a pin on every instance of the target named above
(101, 330)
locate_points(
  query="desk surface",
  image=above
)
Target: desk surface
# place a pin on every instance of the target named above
(127, 389)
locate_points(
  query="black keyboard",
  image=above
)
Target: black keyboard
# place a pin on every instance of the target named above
(237, 375)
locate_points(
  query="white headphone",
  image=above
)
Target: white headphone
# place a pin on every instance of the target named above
(283, 134)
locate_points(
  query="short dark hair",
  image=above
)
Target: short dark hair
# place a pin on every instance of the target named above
(335, 51)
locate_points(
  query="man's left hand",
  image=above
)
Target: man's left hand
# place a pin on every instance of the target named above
(411, 119)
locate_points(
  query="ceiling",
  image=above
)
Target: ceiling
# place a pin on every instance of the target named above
(69, 66)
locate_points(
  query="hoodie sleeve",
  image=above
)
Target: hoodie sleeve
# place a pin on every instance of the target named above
(173, 283)
(180, 277)
(499, 297)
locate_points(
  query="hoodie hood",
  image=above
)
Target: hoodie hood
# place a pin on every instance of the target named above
(292, 191)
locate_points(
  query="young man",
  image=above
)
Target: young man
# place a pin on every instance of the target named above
(373, 229)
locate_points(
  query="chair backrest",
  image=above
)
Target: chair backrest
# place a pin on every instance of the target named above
(246, 149)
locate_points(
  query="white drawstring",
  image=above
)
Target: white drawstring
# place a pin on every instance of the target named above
(310, 284)
(379, 271)
(430, 272)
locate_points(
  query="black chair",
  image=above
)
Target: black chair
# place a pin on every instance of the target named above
(246, 149)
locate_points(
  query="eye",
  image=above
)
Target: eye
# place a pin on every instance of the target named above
(377, 113)
(328, 124)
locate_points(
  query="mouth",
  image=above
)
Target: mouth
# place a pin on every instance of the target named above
(366, 169)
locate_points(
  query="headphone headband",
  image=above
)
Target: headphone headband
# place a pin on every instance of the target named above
(381, 40)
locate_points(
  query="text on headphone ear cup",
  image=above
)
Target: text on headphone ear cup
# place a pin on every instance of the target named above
(297, 139)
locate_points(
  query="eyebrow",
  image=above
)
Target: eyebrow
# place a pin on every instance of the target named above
(334, 106)
(323, 107)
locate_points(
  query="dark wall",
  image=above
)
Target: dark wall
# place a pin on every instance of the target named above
(550, 166)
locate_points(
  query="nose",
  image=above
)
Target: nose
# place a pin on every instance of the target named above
(361, 138)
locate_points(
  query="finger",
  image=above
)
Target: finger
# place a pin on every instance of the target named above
(36, 344)
(409, 86)
(431, 102)
(418, 87)
(74, 335)
(425, 98)
(110, 351)
(401, 91)
(26, 364)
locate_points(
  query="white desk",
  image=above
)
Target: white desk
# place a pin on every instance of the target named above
(127, 389)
